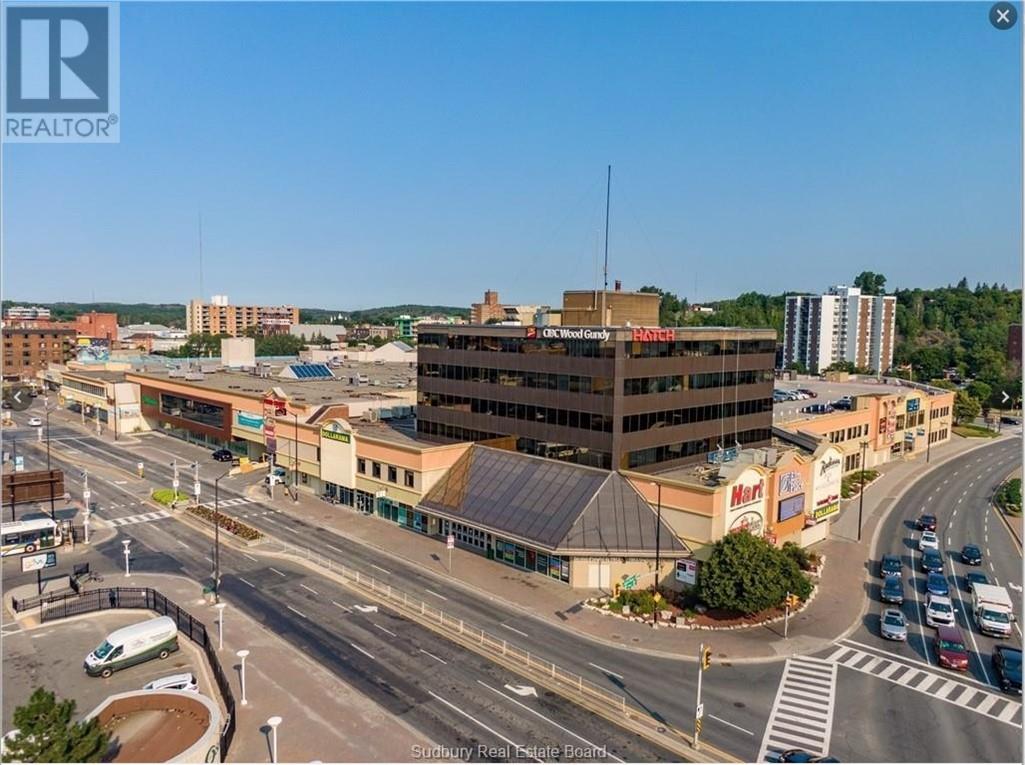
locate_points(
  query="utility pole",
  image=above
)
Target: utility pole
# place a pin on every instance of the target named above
(605, 289)
(861, 492)
(175, 483)
(86, 495)
(53, 513)
(195, 486)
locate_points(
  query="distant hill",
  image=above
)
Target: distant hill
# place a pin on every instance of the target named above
(173, 314)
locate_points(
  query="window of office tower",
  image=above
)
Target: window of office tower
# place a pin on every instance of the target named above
(710, 347)
(499, 344)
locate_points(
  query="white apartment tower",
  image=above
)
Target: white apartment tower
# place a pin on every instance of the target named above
(841, 325)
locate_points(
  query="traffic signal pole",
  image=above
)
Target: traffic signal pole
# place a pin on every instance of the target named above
(704, 659)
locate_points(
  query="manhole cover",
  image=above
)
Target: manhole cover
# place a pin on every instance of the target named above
(739, 704)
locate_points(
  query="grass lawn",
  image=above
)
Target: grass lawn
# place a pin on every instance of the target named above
(974, 431)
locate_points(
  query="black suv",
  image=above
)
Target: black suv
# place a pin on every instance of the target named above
(1007, 663)
(890, 564)
(926, 523)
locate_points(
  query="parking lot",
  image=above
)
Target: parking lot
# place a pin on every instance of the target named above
(51, 656)
(827, 393)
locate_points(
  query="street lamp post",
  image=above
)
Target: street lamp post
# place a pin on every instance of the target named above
(295, 462)
(242, 654)
(274, 722)
(658, 542)
(126, 543)
(861, 492)
(217, 536)
(53, 512)
(220, 625)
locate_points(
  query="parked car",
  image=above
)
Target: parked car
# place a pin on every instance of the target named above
(817, 409)
(276, 476)
(808, 392)
(936, 583)
(1008, 420)
(845, 403)
(893, 625)
(971, 555)
(223, 455)
(1007, 665)
(892, 590)
(929, 541)
(939, 611)
(932, 561)
(950, 648)
(797, 755)
(35, 422)
(926, 522)
(186, 681)
(973, 578)
(890, 564)
(151, 639)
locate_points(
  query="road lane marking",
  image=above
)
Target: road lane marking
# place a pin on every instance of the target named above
(277, 572)
(209, 558)
(727, 722)
(385, 631)
(543, 717)
(181, 543)
(435, 594)
(436, 658)
(374, 565)
(298, 612)
(513, 629)
(254, 560)
(333, 548)
(308, 588)
(918, 609)
(364, 651)
(247, 582)
(519, 749)
(344, 608)
(606, 671)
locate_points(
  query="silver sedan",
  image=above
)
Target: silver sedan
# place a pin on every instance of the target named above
(893, 625)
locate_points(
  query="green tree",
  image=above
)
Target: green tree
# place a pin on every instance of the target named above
(279, 345)
(980, 391)
(870, 283)
(46, 732)
(747, 574)
(966, 408)
(798, 367)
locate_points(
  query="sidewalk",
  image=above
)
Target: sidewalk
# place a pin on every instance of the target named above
(324, 718)
(1013, 522)
(835, 611)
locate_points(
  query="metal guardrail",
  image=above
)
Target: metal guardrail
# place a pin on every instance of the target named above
(63, 606)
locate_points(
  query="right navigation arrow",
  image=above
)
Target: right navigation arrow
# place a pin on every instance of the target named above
(1005, 398)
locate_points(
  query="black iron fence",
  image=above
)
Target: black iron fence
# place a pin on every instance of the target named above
(63, 606)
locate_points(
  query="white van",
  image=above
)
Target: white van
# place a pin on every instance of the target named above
(154, 638)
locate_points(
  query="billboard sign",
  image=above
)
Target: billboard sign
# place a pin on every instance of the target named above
(38, 562)
(791, 507)
(687, 571)
(92, 350)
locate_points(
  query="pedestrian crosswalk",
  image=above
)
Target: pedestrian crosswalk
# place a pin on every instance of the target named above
(233, 502)
(932, 683)
(128, 520)
(802, 714)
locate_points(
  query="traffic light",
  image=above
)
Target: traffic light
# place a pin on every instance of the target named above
(793, 602)
(706, 658)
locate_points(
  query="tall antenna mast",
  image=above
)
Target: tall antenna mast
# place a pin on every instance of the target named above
(608, 195)
(201, 292)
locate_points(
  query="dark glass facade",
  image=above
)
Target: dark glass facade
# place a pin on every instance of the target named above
(606, 397)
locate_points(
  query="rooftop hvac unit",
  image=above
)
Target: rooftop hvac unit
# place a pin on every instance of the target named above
(372, 415)
(175, 372)
(385, 414)
(195, 376)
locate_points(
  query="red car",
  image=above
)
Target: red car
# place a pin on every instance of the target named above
(950, 648)
(808, 392)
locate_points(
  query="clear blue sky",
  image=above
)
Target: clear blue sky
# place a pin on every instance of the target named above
(349, 155)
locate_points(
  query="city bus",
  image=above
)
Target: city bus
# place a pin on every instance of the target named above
(29, 536)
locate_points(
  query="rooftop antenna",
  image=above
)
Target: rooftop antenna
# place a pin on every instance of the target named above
(201, 292)
(608, 196)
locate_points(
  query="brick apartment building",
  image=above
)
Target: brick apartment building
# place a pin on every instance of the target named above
(28, 350)
(218, 317)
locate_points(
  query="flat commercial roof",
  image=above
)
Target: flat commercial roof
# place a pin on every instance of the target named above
(384, 378)
(556, 506)
(105, 375)
(400, 431)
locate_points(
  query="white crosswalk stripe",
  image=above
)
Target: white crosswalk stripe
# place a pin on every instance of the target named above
(234, 501)
(940, 686)
(802, 714)
(127, 520)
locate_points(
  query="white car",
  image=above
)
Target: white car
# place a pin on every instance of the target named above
(929, 541)
(35, 422)
(939, 610)
(183, 682)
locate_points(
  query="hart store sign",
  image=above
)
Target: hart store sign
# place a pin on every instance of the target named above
(745, 494)
(647, 335)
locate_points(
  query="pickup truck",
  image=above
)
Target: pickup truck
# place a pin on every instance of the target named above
(992, 609)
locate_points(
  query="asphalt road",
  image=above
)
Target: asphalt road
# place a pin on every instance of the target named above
(739, 699)
(934, 721)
